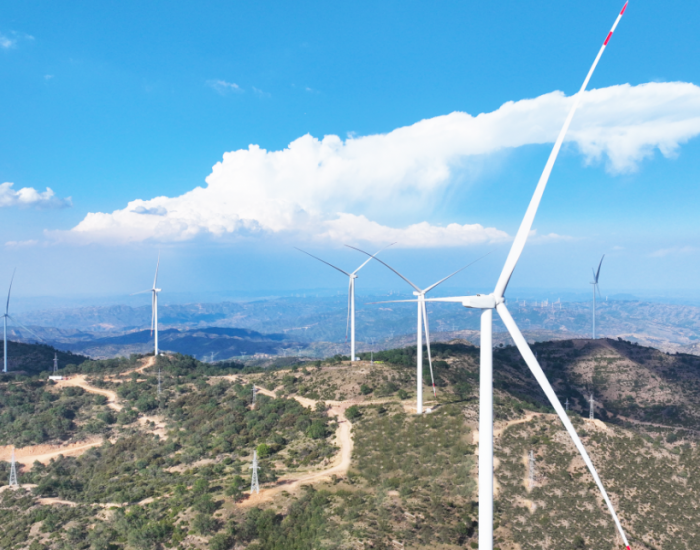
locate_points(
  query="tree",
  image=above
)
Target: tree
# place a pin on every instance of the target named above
(353, 412)
(263, 450)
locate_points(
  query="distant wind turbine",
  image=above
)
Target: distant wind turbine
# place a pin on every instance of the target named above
(351, 295)
(422, 324)
(496, 300)
(6, 317)
(596, 275)
(154, 306)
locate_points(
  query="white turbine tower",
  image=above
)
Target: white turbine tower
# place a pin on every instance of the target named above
(154, 307)
(421, 325)
(5, 318)
(496, 300)
(351, 296)
(596, 275)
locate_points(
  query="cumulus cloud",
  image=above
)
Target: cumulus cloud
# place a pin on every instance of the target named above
(326, 188)
(28, 197)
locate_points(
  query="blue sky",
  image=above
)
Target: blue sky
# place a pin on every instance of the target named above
(110, 103)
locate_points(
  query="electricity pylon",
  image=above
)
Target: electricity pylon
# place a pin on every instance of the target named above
(13, 471)
(255, 392)
(160, 388)
(567, 404)
(531, 471)
(254, 485)
(55, 363)
(591, 414)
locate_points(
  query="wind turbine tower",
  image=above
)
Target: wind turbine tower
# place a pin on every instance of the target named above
(5, 319)
(487, 303)
(13, 471)
(254, 485)
(422, 324)
(596, 275)
(351, 296)
(154, 307)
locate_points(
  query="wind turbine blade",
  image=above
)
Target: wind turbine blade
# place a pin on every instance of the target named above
(427, 344)
(141, 292)
(526, 225)
(347, 324)
(7, 307)
(541, 378)
(155, 279)
(387, 265)
(20, 325)
(431, 287)
(598, 273)
(375, 254)
(451, 299)
(323, 261)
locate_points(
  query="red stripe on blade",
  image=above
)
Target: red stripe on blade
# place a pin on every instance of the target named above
(607, 39)
(622, 13)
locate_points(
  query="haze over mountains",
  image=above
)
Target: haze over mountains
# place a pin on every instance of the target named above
(316, 326)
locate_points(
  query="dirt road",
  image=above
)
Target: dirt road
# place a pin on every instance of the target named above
(339, 466)
(80, 382)
(44, 453)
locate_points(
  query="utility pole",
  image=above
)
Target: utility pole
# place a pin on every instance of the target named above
(591, 414)
(254, 485)
(531, 470)
(13, 471)
(55, 363)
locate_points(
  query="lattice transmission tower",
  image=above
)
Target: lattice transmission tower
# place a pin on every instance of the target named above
(55, 363)
(13, 471)
(254, 485)
(567, 404)
(591, 413)
(160, 386)
(531, 470)
(255, 392)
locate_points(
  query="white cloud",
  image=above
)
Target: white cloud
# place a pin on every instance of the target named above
(224, 87)
(328, 188)
(28, 196)
(21, 244)
(6, 43)
(674, 251)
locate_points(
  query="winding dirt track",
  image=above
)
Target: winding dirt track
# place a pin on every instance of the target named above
(338, 467)
(44, 453)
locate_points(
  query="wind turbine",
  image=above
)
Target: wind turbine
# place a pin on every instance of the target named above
(351, 296)
(6, 317)
(496, 300)
(154, 306)
(596, 274)
(4, 328)
(422, 324)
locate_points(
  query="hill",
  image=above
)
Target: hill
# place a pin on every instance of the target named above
(34, 359)
(173, 469)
